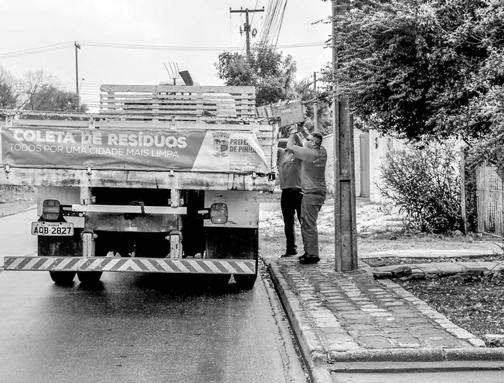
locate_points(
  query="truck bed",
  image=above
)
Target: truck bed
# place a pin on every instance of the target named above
(145, 137)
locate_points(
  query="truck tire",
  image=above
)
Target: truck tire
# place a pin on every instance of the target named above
(89, 277)
(62, 278)
(245, 282)
(60, 247)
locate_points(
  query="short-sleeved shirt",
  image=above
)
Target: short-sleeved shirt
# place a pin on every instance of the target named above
(289, 170)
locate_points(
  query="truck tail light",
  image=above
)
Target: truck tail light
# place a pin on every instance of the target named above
(50, 210)
(218, 213)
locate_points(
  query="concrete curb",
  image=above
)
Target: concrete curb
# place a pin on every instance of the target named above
(311, 347)
(420, 355)
(392, 367)
(318, 357)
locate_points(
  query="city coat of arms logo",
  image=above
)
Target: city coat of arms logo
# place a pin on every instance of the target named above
(221, 143)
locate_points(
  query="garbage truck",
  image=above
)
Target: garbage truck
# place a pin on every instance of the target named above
(162, 179)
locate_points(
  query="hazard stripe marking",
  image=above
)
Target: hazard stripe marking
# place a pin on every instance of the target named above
(189, 266)
(55, 262)
(148, 265)
(237, 267)
(132, 265)
(212, 266)
(205, 267)
(179, 266)
(119, 264)
(23, 263)
(230, 267)
(141, 264)
(156, 264)
(112, 263)
(72, 263)
(221, 267)
(39, 263)
(104, 264)
(197, 266)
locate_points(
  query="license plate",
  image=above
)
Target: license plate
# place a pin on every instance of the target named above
(52, 228)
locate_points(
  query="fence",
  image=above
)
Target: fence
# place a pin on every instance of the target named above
(489, 194)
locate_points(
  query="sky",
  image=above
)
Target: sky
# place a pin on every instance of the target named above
(190, 33)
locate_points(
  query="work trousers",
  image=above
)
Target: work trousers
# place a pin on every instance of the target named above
(290, 202)
(310, 208)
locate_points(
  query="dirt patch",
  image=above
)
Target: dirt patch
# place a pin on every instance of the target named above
(476, 305)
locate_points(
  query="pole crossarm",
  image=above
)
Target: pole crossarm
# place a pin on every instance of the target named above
(247, 24)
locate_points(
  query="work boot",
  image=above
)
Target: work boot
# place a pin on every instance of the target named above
(306, 259)
(289, 253)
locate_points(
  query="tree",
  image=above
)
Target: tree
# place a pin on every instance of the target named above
(420, 69)
(8, 91)
(304, 91)
(50, 98)
(267, 70)
(42, 93)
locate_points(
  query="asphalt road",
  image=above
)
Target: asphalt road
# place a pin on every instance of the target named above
(137, 327)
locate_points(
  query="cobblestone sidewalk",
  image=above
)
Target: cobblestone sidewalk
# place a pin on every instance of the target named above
(342, 317)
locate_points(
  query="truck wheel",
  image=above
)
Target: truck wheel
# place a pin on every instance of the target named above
(89, 277)
(62, 278)
(245, 282)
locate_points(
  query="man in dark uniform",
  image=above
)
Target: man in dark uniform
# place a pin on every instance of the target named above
(313, 158)
(289, 173)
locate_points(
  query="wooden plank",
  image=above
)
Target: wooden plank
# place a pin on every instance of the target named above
(264, 128)
(246, 101)
(178, 88)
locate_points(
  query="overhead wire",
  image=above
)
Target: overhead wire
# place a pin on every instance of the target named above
(148, 47)
(30, 51)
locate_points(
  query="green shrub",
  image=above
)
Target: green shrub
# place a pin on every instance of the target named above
(424, 183)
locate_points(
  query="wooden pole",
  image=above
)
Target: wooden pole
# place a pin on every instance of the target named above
(463, 209)
(336, 126)
(345, 233)
(77, 47)
(247, 25)
(315, 104)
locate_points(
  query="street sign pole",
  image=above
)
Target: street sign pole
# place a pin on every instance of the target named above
(345, 233)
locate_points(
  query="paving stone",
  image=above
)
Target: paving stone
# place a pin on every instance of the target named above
(376, 344)
(354, 312)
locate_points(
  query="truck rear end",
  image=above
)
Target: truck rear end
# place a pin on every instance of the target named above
(165, 179)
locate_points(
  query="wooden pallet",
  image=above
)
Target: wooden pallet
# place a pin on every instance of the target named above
(181, 103)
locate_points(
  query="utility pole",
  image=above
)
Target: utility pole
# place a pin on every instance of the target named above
(315, 104)
(77, 47)
(246, 26)
(345, 233)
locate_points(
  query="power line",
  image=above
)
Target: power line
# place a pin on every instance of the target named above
(145, 47)
(31, 51)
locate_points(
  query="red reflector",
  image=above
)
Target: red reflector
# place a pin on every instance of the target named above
(218, 213)
(50, 210)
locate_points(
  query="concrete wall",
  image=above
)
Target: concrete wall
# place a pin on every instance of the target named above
(370, 150)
